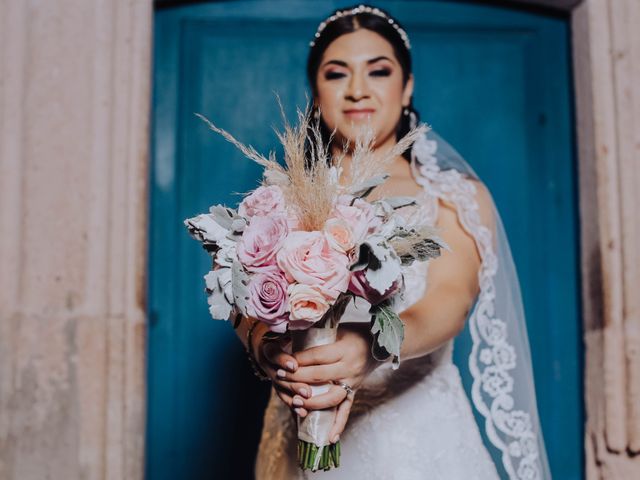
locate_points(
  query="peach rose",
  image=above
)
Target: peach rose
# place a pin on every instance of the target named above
(339, 235)
(307, 258)
(307, 305)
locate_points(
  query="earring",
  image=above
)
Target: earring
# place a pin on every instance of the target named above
(413, 120)
(405, 111)
(316, 114)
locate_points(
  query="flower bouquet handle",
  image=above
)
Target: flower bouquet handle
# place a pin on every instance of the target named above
(315, 451)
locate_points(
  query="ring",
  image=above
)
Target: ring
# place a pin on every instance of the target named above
(346, 387)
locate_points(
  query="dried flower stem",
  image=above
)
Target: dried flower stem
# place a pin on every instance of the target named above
(311, 188)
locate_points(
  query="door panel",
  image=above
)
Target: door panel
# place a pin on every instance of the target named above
(494, 82)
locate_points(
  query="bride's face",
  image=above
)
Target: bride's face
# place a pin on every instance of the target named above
(360, 81)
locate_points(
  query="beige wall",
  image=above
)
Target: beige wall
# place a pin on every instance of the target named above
(74, 93)
(607, 69)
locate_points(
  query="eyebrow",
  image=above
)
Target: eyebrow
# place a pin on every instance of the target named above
(370, 61)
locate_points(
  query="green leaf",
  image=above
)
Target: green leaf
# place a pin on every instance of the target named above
(388, 330)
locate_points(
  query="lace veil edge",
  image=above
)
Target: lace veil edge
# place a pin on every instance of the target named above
(503, 389)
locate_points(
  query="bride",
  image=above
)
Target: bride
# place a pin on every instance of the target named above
(415, 422)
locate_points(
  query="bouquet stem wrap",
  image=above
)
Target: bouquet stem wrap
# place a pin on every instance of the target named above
(315, 451)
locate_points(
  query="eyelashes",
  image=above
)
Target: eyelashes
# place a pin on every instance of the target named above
(385, 72)
(333, 75)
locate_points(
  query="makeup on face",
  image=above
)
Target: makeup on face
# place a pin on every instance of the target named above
(360, 82)
(376, 67)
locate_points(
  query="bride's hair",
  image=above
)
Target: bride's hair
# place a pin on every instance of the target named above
(350, 23)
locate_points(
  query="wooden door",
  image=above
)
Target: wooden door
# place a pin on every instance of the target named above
(494, 82)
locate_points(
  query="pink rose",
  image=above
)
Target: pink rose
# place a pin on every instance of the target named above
(339, 235)
(360, 216)
(307, 258)
(307, 305)
(262, 201)
(360, 286)
(260, 242)
(268, 300)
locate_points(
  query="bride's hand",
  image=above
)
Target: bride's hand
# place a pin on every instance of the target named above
(347, 360)
(272, 358)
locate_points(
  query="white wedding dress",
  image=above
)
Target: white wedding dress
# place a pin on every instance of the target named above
(412, 423)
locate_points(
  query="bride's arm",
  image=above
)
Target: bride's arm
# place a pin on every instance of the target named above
(453, 284)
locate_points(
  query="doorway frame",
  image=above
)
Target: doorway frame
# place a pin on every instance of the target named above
(602, 74)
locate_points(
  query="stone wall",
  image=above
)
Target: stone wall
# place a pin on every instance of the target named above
(607, 74)
(74, 96)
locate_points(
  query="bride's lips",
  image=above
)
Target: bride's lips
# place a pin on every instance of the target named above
(358, 113)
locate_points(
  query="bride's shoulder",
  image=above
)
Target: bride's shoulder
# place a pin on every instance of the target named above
(486, 206)
(482, 201)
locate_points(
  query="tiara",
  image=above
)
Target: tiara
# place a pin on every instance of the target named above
(359, 9)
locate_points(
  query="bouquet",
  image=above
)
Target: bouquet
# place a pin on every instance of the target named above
(304, 243)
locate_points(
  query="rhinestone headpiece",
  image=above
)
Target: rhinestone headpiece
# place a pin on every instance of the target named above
(360, 9)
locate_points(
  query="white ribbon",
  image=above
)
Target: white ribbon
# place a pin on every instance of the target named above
(315, 427)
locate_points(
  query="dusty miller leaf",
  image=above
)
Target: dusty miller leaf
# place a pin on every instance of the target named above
(388, 330)
(218, 286)
(207, 231)
(381, 262)
(222, 216)
(384, 265)
(364, 188)
(237, 224)
(417, 243)
(240, 283)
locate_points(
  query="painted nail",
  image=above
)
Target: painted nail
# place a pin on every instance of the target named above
(298, 411)
(291, 366)
(298, 402)
(304, 392)
(281, 373)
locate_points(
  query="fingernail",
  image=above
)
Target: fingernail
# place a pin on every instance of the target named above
(298, 411)
(281, 373)
(298, 402)
(291, 366)
(304, 392)
(336, 438)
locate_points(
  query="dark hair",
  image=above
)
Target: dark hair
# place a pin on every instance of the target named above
(346, 24)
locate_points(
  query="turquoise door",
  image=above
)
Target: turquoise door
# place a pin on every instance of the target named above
(494, 82)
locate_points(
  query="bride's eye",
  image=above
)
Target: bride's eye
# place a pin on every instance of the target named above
(332, 75)
(385, 72)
